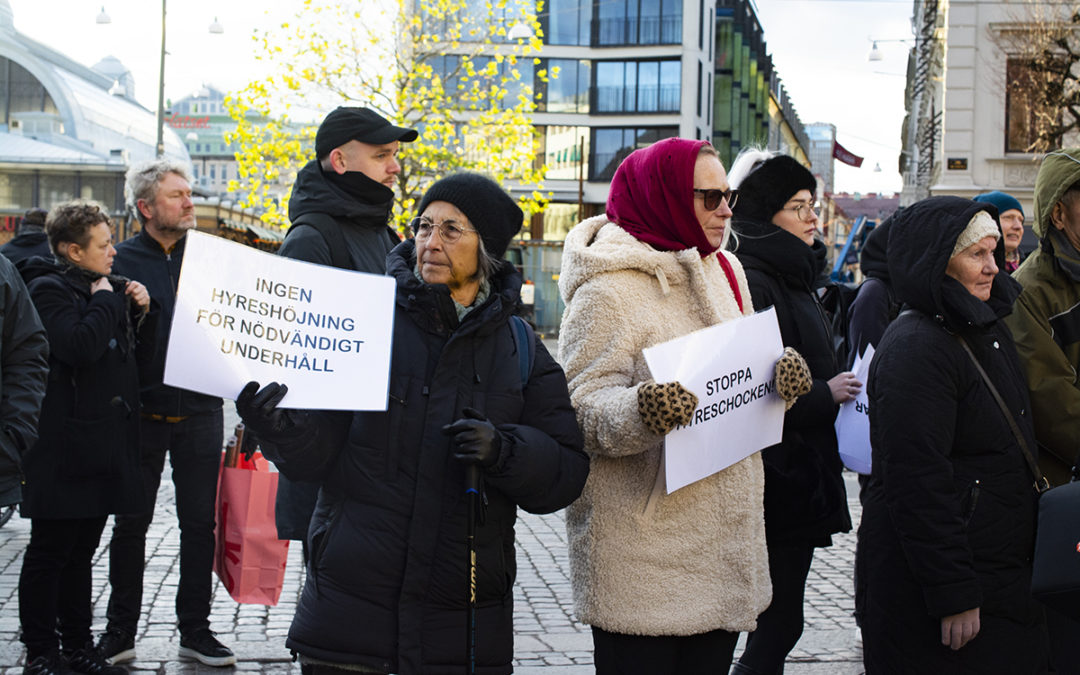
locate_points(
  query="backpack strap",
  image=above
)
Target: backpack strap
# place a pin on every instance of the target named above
(331, 233)
(525, 344)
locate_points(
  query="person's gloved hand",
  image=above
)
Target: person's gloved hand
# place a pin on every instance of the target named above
(258, 408)
(664, 406)
(792, 378)
(475, 439)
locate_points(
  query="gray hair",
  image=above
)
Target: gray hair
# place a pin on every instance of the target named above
(486, 265)
(142, 180)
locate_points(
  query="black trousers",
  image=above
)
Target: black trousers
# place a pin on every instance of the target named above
(55, 584)
(703, 654)
(781, 625)
(194, 446)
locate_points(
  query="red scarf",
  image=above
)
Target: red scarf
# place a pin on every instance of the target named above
(652, 198)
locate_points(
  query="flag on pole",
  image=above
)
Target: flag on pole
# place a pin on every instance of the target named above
(846, 156)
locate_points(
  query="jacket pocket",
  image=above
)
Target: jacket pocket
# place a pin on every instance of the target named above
(92, 448)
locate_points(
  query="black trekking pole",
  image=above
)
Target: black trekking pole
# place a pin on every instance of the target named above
(472, 494)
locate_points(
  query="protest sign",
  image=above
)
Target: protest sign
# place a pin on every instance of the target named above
(730, 368)
(243, 314)
(853, 420)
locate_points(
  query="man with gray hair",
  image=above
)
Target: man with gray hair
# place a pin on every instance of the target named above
(185, 424)
(1045, 323)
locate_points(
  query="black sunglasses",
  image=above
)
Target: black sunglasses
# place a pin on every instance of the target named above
(714, 197)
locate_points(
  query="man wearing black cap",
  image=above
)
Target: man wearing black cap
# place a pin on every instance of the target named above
(339, 209)
(30, 240)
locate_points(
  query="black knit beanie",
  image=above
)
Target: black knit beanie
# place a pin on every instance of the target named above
(487, 206)
(763, 193)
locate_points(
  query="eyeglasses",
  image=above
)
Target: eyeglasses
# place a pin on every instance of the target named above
(713, 197)
(804, 210)
(449, 230)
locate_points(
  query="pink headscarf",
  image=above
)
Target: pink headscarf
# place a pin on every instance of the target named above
(652, 198)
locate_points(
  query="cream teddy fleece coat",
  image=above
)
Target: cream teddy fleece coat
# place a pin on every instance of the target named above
(643, 562)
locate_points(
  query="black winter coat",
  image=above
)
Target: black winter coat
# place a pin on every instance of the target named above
(143, 259)
(86, 460)
(949, 513)
(24, 366)
(361, 219)
(805, 498)
(387, 574)
(27, 245)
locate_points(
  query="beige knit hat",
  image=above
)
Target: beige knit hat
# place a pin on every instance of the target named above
(982, 225)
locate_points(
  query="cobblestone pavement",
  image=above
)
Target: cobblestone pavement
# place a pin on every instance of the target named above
(548, 640)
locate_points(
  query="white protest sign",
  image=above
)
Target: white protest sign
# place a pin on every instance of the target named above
(243, 314)
(853, 420)
(730, 368)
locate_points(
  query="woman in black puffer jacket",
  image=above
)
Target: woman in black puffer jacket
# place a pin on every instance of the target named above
(948, 522)
(85, 464)
(805, 502)
(387, 574)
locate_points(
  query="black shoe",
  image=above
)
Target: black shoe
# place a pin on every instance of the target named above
(46, 664)
(205, 648)
(90, 662)
(116, 646)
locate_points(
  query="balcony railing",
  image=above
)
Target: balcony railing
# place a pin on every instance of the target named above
(650, 30)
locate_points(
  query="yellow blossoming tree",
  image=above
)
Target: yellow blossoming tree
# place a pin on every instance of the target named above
(444, 67)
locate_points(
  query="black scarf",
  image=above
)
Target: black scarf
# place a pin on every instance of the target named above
(361, 188)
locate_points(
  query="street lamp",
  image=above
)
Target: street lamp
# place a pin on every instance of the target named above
(875, 53)
(215, 29)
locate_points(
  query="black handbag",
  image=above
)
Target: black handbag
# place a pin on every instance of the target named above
(1055, 570)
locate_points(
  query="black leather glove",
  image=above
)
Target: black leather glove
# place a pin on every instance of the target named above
(258, 408)
(476, 440)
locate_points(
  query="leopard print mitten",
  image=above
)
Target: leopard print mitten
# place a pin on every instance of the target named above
(793, 377)
(663, 406)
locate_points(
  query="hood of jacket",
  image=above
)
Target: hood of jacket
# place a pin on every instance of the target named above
(873, 260)
(774, 250)
(314, 193)
(431, 306)
(32, 268)
(1059, 170)
(597, 245)
(921, 241)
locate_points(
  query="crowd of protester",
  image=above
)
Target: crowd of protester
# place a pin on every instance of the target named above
(401, 510)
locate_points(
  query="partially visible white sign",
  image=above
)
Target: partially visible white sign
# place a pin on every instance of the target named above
(853, 420)
(730, 368)
(243, 314)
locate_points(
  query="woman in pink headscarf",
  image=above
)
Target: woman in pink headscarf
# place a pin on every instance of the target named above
(667, 581)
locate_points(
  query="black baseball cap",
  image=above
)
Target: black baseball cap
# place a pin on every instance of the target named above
(357, 124)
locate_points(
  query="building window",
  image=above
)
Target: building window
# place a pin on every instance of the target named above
(569, 92)
(1025, 115)
(610, 147)
(213, 172)
(567, 22)
(16, 191)
(54, 189)
(561, 148)
(699, 98)
(449, 68)
(634, 22)
(638, 86)
(21, 92)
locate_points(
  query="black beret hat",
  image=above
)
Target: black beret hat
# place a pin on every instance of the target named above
(496, 217)
(765, 190)
(357, 124)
